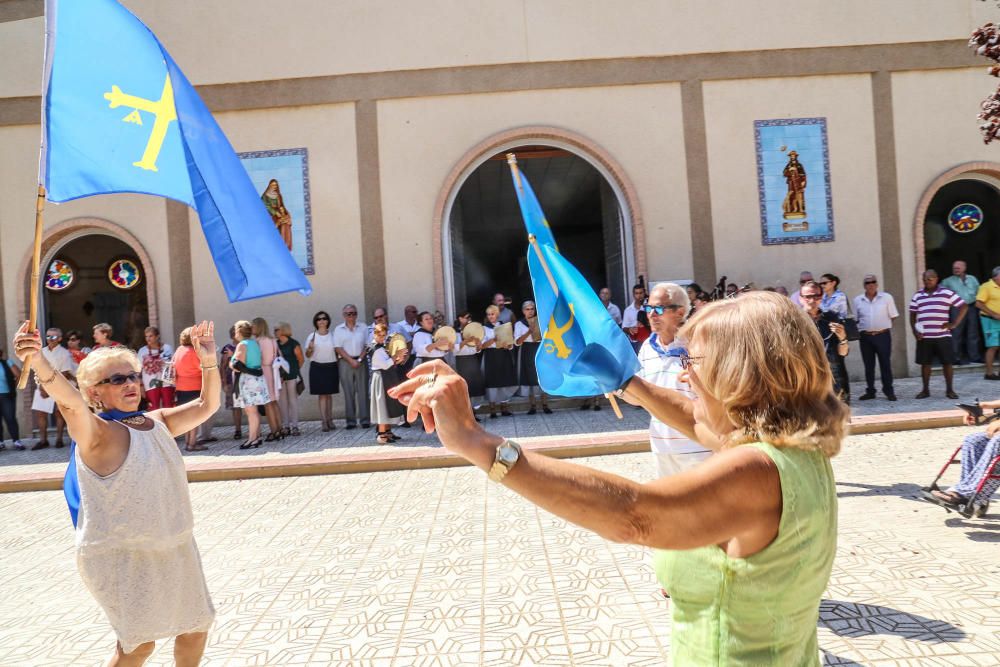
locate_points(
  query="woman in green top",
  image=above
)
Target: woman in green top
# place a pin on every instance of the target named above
(288, 397)
(746, 539)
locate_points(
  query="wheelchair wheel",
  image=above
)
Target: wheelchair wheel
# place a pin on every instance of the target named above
(979, 511)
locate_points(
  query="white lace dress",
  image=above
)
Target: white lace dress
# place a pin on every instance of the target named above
(135, 548)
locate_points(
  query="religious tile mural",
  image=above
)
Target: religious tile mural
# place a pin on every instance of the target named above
(281, 176)
(793, 180)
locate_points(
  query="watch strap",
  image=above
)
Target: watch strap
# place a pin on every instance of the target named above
(500, 468)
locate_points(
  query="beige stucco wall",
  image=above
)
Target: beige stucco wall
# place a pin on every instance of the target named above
(143, 216)
(421, 140)
(328, 134)
(248, 40)
(731, 107)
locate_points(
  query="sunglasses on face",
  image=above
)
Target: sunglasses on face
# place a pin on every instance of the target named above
(73, 339)
(824, 282)
(323, 319)
(688, 361)
(811, 297)
(350, 314)
(659, 310)
(118, 379)
(871, 282)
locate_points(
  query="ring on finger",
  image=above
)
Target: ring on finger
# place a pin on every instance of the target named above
(430, 379)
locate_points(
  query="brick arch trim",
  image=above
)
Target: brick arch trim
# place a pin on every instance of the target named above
(535, 134)
(967, 168)
(56, 236)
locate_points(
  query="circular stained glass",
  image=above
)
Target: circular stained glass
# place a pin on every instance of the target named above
(59, 276)
(965, 218)
(124, 273)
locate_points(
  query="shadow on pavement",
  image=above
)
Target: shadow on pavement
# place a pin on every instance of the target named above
(850, 619)
(985, 529)
(906, 490)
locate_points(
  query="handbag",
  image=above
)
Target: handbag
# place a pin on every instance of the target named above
(851, 329)
(300, 386)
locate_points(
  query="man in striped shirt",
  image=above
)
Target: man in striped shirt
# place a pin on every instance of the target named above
(666, 308)
(930, 310)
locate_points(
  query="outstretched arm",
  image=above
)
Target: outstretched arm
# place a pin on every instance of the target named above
(191, 415)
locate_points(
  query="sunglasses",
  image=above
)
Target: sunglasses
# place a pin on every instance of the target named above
(322, 319)
(659, 310)
(118, 379)
(350, 314)
(688, 361)
(871, 282)
(73, 339)
(824, 282)
(811, 297)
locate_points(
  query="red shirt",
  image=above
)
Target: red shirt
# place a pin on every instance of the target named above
(187, 368)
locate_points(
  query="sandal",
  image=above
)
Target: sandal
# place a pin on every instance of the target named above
(196, 448)
(393, 436)
(384, 438)
(237, 435)
(295, 431)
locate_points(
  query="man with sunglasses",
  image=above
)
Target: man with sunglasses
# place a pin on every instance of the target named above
(349, 344)
(662, 356)
(43, 405)
(876, 310)
(834, 336)
(804, 277)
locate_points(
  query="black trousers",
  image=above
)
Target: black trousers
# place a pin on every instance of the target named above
(8, 412)
(877, 346)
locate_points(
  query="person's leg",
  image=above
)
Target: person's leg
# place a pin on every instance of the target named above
(364, 395)
(189, 648)
(925, 377)
(949, 376)
(957, 335)
(153, 399)
(347, 386)
(60, 427)
(991, 355)
(868, 357)
(293, 404)
(273, 419)
(134, 659)
(977, 454)
(972, 337)
(42, 424)
(883, 350)
(8, 405)
(237, 423)
(253, 422)
(283, 405)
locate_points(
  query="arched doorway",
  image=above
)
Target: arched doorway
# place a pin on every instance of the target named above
(484, 241)
(107, 282)
(962, 222)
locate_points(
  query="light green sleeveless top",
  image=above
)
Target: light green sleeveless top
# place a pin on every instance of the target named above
(760, 610)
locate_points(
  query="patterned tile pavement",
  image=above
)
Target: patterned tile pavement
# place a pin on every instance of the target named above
(439, 567)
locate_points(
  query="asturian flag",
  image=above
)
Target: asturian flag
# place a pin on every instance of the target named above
(120, 116)
(583, 351)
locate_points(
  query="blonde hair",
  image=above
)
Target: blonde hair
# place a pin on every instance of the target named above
(185, 336)
(91, 369)
(380, 328)
(764, 360)
(243, 329)
(260, 328)
(492, 309)
(284, 328)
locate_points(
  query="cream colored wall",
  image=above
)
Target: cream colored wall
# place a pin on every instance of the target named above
(144, 216)
(731, 107)
(421, 140)
(251, 40)
(328, 134)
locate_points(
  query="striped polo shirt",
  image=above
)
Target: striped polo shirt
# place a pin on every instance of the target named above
(661, 366)
(932, 309)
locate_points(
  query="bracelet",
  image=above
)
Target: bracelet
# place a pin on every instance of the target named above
(620, 392)
(45, 382)
(843, 342)
(208, 368)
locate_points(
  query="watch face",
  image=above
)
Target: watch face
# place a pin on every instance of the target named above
(508, 454)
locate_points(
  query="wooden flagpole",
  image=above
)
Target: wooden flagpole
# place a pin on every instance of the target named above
(36, 259)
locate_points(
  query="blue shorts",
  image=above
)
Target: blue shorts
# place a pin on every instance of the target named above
(991, 331)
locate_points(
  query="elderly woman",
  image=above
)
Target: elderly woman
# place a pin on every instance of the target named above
(135, 549)
(746, 539)
(249, 387)
(979, 450)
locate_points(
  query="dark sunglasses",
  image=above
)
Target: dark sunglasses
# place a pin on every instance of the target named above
(824, 282)
(73, 338)
(350, 314)
(871, 282)
(659, 309)
(52, 337)
(687, 361)
(118, 379)
(322, 318)
(811, 297)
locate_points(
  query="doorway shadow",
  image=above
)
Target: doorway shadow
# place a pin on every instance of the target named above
(852, 619)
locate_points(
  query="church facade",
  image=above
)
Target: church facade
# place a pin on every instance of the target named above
(679, 140)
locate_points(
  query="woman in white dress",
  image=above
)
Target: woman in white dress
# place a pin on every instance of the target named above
(135, 547)
(425, 348)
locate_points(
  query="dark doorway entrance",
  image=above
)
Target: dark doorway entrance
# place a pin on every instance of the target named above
(92, 298)
(488, 240)
(980, 248)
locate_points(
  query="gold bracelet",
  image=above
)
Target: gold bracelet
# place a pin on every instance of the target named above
(45, 382)
(208, 368)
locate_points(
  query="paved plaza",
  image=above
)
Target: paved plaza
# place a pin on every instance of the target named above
(440, 567)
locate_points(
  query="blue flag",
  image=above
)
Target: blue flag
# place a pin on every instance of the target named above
(531, 210)
(120, 116)
(583, 351)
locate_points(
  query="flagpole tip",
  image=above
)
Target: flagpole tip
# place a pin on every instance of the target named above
(511, 158)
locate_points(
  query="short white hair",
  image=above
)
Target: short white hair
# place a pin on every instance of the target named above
(93, 367)
(677, 295)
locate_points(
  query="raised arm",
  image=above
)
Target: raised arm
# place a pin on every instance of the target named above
(84, 426)
(190, 415)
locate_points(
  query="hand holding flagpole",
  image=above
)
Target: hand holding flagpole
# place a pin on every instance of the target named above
(36, 259)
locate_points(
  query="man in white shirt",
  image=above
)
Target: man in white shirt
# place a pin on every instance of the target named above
(613, 310)
(875, 311)
(408, 325)
(43, 405)
(804, 277)
(349, 343)
(631, 322)
(381, 315)
(660, 356)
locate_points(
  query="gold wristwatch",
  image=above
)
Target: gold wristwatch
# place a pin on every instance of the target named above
(507, 456)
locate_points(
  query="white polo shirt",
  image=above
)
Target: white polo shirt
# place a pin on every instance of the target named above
(352, 342)
(661, 366)
(876, 314)
(407, 329)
